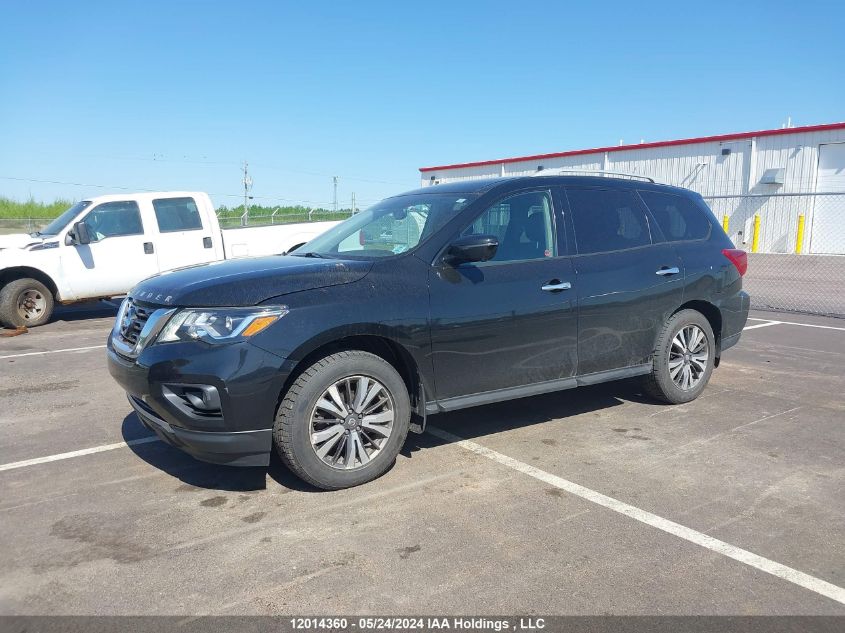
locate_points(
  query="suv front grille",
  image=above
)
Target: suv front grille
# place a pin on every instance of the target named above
(134, 319)
(136, 325)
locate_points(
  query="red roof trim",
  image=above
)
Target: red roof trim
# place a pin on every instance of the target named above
(622, 148)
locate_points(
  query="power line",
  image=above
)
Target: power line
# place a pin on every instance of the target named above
(145, 190)
(161, 158)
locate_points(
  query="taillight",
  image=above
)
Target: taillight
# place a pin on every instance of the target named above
(738, 257)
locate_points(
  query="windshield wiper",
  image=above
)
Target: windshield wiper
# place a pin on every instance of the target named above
(310, 254)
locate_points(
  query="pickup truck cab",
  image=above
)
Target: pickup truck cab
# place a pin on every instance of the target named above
(446, 297)
(101, 247)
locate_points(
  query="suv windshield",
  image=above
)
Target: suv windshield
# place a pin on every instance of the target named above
(55, 227)
(391, 227)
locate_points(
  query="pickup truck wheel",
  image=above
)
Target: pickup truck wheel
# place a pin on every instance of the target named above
(25, 302)
(683, 358)
(343, 421)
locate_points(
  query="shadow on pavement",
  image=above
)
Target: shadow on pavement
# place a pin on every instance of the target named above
(85, 310)
(477, 422)
(468, 424)
(202, 475)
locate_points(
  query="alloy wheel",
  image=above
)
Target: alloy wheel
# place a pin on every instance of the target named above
(351, 422)
(688, 357)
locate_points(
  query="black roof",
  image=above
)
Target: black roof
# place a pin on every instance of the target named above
(483, 185)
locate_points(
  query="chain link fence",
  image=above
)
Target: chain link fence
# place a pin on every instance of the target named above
(235, 218)
(796, 246)
(227, 220)
(22, 225)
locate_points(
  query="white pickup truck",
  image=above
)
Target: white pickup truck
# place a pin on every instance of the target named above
(101, 247)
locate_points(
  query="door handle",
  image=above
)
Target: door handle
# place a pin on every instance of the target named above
(668, 271)
(148, 248)
(556, 286)
(206, 242)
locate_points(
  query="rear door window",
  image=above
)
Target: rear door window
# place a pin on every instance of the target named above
(607, 220)
(177, 214)
(678, 217)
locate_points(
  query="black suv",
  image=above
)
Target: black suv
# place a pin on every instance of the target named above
(445, 297)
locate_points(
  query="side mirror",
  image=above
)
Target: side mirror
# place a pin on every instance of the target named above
(472, 248)
(78, 235)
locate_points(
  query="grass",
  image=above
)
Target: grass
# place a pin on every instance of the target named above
(10, 209)
(14, 215)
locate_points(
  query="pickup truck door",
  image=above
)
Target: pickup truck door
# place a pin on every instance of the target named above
(184, 233)
(510, 322)
(119, 256)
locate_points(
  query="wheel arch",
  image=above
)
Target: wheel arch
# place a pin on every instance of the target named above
(27, 272)
(377, 343)
(713, 315)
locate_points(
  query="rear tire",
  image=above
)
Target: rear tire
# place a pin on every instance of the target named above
(343, 421)
(25, 302)
(683, 358)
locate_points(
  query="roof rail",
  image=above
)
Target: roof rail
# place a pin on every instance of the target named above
(554, 171)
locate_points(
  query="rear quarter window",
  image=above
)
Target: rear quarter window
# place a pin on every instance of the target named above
(679, 217)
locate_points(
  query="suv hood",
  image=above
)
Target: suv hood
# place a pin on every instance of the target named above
(246, 282)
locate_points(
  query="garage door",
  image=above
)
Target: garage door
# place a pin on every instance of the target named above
(828, 235)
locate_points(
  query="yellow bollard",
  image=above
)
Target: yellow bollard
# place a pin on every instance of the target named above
(799, 239)
(726, 221)
(755, 238)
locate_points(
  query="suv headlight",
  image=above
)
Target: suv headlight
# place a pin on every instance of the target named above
(219, 325)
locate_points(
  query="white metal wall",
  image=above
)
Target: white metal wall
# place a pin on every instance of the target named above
(703, 167)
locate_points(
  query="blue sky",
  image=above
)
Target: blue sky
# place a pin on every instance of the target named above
(174, 95)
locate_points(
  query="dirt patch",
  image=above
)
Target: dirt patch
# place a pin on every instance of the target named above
(28, 390)
(213, 502)
(255, 517)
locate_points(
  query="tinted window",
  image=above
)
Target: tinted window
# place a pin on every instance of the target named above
(607, 220)
(177, 214)
(522, 224)
(113, 219)
(391, 227)
(677, 216)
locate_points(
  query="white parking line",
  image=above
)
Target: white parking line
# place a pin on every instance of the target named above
(754, 327)
(822, 327)
(54, 351)
(817, 585)
(79, 453)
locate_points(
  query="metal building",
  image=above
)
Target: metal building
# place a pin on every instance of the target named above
(779, 180)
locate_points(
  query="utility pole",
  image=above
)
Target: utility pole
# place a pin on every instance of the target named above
(247, 186)
(334, 204)
(353, 203)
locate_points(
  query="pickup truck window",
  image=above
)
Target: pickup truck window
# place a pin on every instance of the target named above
(177, 214)
(113, 219)
(391, 227)
(56, 226)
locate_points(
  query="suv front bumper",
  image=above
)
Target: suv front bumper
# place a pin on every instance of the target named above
(247, 380)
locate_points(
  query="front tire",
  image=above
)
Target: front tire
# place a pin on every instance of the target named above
(343, 421)
(25, 302)
(683, 358)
